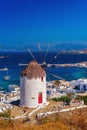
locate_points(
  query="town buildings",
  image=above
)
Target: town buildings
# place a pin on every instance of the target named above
(80, 84)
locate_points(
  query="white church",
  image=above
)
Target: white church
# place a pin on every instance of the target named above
(33, 86)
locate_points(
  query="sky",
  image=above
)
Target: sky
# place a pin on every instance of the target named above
(26, 22)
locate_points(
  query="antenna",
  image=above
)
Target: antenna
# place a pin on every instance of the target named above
(31, 53)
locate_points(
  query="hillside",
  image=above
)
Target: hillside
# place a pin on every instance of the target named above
(73, 120)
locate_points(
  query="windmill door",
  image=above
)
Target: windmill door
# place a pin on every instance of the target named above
(40, 98)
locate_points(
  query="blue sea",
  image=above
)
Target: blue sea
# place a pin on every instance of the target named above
(14, 70)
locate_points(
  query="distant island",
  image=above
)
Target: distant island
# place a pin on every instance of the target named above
(75, 52)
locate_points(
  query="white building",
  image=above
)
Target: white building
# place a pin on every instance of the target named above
(13, 87)
(2, 98)
(33, 86)
(50, 91)
(80, 84)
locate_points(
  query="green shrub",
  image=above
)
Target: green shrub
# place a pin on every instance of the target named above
(84, 98)
(64, 99)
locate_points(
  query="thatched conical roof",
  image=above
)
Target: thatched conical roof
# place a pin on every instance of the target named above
(33, 70)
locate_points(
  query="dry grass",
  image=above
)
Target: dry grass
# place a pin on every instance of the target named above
(18, 125)
(72, 120)
(18, 111)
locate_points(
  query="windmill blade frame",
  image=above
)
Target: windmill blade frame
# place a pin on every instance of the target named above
(57, 76)
(47, 51)
(31, 53)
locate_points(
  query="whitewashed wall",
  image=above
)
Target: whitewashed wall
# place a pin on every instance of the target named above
(29, 91)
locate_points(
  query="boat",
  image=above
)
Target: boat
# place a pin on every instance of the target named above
(22, 64)
(1, 57)
(7, 77)
(2, 69)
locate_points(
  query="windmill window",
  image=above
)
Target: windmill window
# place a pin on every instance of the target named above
(42, 79)
(25, 74)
